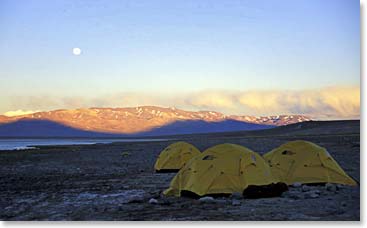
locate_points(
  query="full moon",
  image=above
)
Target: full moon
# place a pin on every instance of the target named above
(77, 51)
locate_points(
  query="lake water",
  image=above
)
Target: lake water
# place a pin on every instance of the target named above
(20, 144)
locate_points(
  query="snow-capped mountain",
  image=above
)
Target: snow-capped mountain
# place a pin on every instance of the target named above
(140, 119)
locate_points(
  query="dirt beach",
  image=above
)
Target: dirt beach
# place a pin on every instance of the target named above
(117, 182)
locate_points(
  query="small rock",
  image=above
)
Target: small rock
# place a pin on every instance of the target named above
(330, 187)
(339, 186)
(297, 185)
(207, 199)
(314, 195)
(236, 203)
(311, 195)
(153, 201)
(343, 204)
(305, 188)
(292, 195)
(237, 195)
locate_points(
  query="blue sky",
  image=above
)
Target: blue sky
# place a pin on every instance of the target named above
(173, 48)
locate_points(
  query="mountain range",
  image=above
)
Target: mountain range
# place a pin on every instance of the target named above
(144, 120)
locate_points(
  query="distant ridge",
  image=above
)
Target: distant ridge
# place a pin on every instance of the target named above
(151, 120)
(46, 128)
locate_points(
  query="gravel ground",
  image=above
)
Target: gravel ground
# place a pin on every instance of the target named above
(117, 182)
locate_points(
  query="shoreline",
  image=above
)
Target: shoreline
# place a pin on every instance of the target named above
(17, 144)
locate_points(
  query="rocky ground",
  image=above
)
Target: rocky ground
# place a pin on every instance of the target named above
(117, 182)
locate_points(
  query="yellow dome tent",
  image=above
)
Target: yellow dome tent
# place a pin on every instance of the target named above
(175, 156)
(305, 162)
(222, 169)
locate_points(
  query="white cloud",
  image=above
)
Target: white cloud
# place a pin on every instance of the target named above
(342, 102)
(323, 103)
(212, 99)
(330, 102)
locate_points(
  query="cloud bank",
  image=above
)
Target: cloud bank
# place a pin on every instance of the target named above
(324, 103)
